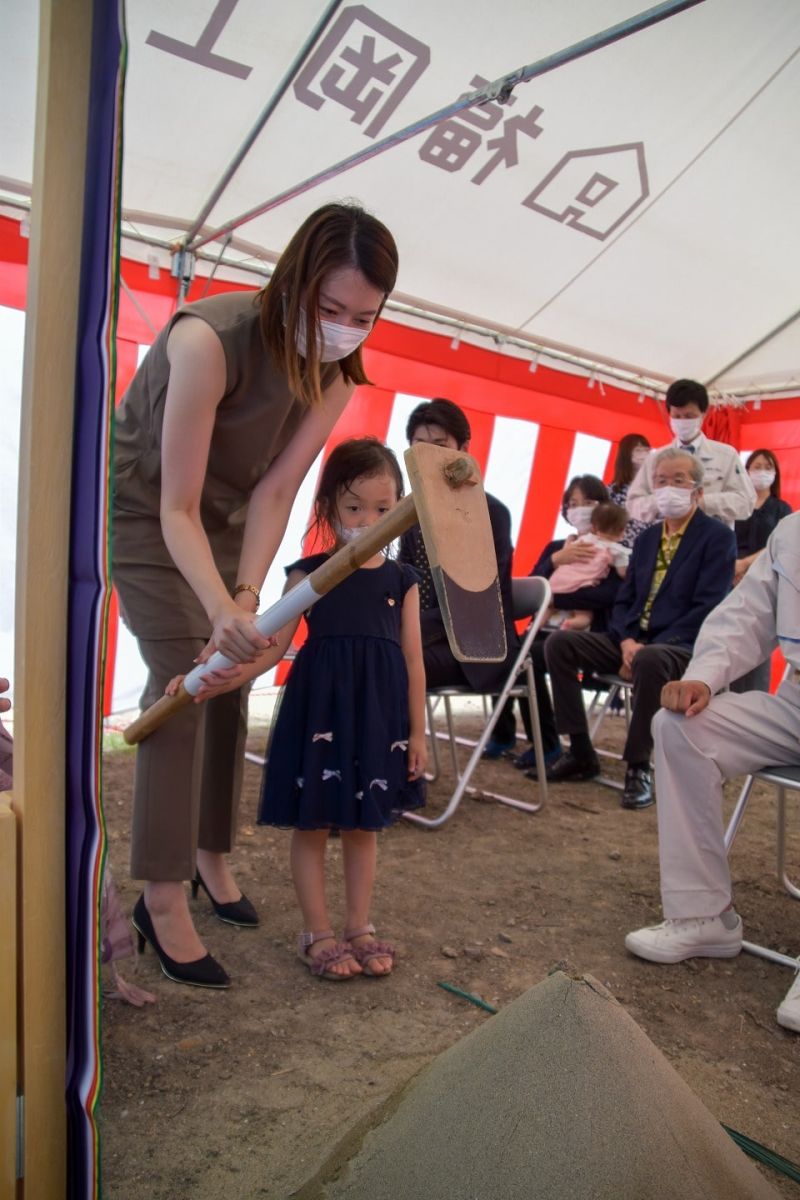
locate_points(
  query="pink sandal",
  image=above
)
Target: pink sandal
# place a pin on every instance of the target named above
(366, 953)
(320, 964)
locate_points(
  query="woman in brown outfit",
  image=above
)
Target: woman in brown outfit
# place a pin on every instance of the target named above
(223, 419)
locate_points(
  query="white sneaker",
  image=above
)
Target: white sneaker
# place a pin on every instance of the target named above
(691, 937)
(789, 1008)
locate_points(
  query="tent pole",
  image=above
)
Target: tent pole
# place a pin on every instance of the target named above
(263, 117)
(768, 337)
(500, 90)
(46, 433)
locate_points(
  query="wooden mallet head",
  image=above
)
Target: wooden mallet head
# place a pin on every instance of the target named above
(454, 519)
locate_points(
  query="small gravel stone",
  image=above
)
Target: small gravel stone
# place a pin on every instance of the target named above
(449, 952)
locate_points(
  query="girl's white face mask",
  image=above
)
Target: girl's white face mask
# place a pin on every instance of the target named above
(762, 479)
(580, 517)
(673, 502)
(334, 341)
(346, 534)
(686, 429)
(639, 455)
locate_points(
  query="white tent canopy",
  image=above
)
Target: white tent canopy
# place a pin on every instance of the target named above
(636, 206)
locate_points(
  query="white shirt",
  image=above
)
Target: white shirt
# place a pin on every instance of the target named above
(727, 490)
(762, 612)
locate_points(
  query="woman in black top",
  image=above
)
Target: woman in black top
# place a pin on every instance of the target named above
(751, 538)
(751, 534)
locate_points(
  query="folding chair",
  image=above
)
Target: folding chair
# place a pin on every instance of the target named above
(531, 598)
(250, 755)
(616, 687)
(785, 779)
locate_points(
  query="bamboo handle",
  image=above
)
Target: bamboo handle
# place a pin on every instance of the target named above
(343, 563)
(156, 715)
(295, 602)
(352, 556)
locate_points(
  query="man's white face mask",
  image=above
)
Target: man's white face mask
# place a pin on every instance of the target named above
(686, 429)
(673, 502)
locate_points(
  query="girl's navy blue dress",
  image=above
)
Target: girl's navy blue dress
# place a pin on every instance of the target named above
(338, 755)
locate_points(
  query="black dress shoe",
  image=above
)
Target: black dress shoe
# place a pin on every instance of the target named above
(570, 767)
(551, 757)
(200, 972)
(638, 791)
(234, 912)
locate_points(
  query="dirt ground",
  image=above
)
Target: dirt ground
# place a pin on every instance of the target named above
(243, 1093)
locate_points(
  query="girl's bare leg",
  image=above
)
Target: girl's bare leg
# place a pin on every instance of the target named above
(360, 854)
(307, 857)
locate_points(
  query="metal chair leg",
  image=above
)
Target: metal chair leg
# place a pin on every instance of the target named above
(738, 813)
(764, 952)
(731, 831)
(538, 747)
(791, 888)
(462, 784)
(601, 716)
(430, 708)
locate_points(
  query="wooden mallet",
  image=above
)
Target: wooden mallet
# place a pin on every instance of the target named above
(448, 501)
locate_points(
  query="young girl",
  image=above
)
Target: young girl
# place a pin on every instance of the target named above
(348, 749)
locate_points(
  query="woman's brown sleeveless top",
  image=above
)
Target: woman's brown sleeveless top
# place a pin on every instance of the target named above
(255, 420)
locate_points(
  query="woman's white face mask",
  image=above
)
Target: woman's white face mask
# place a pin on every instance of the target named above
(762, 480)
(580, 517)
(334, 341)
(639, 455)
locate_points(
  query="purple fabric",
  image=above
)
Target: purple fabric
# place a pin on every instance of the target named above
(93, 400)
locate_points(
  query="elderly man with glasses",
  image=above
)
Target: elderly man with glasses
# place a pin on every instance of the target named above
(680, 569)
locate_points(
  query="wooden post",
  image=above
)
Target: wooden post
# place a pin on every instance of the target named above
(8, 1000)
(48, 399)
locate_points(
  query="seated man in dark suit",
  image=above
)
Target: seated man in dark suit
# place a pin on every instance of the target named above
(680, 569)
(443, 423)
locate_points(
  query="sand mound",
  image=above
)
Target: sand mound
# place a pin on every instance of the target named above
(560, 1095)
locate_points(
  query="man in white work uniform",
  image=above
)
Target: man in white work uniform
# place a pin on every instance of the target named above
(727, 491)
(703, 738)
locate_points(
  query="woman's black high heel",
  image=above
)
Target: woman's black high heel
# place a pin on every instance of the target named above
(201, 972)
(235, 912)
